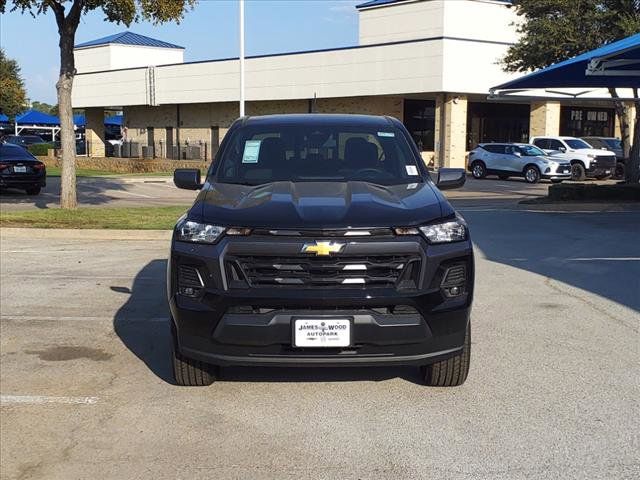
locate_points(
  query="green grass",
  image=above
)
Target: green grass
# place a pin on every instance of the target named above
(142, 218)
(87, 172)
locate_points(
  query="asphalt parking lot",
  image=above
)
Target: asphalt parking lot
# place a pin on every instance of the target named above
(137, 191)
(553, 390)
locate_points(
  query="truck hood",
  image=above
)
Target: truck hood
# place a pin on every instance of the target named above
(319, 205)
(584, 151)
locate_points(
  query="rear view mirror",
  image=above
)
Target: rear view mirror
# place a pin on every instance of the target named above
(449, 178)
(187, 178)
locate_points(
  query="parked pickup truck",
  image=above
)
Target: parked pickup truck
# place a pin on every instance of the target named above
(585, 160)
(320, 240)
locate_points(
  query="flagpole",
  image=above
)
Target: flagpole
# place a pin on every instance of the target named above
(241, 58)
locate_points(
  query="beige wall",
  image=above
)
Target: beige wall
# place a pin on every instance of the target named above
(450, 144)
(94, 131)
(401, 22)
(544, 119)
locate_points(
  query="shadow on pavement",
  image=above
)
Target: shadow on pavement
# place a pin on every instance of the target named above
(142, 325)
(91, 191)
(596, 252)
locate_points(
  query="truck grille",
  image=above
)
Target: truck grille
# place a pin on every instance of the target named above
(606, 161)
(352, 271)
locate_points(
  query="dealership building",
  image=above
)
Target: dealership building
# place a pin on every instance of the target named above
(429, 63)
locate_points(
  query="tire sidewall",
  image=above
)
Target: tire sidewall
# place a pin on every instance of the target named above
(478, 170)
(535, 174)
(578, 172)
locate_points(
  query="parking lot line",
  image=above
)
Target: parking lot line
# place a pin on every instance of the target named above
(42, 400)
(605, 259)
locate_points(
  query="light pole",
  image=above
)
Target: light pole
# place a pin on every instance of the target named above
(241, 58)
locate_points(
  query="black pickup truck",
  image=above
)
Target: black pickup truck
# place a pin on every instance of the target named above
(320, 240)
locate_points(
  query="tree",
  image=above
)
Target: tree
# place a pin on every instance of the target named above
(554, 30)
(67, 14)
(45, 107)
(12, 94)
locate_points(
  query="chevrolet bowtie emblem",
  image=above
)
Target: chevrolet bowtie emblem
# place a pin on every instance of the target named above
(322, 248)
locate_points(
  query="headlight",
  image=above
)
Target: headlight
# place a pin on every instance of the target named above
(452, 231)
(188, 231)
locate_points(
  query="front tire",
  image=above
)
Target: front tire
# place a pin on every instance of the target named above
(619, 172)
(478, 170)
(532, 174)
(578, 173)
(453, 371)
(189, 372)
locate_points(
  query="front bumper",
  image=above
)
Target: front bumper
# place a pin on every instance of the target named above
(227, 325)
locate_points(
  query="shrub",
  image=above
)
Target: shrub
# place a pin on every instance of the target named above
(40, 149)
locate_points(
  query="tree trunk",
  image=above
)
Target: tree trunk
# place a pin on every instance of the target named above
(621, 113)
(633, 164)
(67, 26)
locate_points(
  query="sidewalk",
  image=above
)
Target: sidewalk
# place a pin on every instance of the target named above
(85, 234)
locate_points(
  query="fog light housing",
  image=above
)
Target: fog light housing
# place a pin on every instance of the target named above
(454, 280)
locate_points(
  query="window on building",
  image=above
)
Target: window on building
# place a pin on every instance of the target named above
(586, 122)
(496, 122)
(420, 120)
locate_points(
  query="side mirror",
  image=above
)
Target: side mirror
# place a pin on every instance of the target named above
(517, 154)
(187, 178)
(562, 149)
(449, 178)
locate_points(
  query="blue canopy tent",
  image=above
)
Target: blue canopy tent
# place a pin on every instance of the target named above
(35, 120)
(615, 65)
(114, 120)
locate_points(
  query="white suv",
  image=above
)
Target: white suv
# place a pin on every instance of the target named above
(585, 160)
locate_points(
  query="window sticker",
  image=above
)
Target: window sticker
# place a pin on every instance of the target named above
(411, 169)
(251, 151)
(386, 134)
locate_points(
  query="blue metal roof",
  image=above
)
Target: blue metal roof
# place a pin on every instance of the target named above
(3, 118)
(572, 73)
(128, 38)
(113, 120)
(379, 3)
(34, 117)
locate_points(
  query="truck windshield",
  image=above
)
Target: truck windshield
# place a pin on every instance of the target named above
(259, 154)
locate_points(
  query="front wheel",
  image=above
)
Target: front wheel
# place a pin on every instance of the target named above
(619, 172)
(453, 371)
(532, 174)
(578, 173)
(478, 170)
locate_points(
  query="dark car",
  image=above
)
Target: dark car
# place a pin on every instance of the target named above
(320, 240)
(23, 140)
(613, 145)
(20, 169)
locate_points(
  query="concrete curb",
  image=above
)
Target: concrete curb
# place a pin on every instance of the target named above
(85, 234)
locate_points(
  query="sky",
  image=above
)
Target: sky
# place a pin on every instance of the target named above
(209, 31)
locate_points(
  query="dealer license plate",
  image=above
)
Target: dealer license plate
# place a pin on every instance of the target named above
(325, 333)
(20, 169)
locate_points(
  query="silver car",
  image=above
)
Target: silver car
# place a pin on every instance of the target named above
(517, 160)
